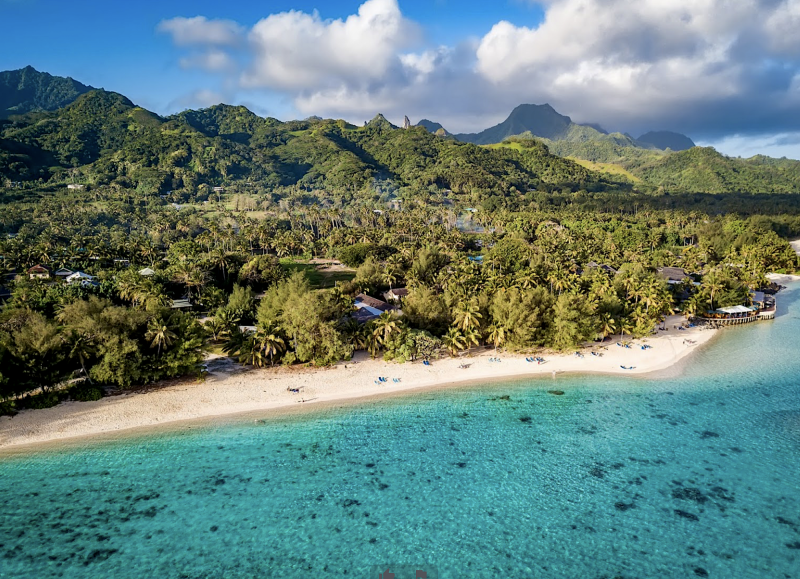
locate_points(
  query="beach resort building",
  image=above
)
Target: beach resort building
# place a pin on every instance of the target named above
(763, 308)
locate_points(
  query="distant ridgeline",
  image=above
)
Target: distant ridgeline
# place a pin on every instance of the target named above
(55, 131)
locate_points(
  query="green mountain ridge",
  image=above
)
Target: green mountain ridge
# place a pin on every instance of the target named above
(667, 140)
(102, 138)
(26, 90)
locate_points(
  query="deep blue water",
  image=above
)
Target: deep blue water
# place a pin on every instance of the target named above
(688, 477)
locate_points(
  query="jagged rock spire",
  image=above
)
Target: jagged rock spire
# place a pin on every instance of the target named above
(406, 123)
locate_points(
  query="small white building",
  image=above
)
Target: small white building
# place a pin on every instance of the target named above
(79, 277)
(76, 186)
(146, 272)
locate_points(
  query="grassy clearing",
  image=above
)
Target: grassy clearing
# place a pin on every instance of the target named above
(512, 145)
(609, 168)
(316, 274)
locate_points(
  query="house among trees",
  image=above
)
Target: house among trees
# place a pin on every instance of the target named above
(39, 271)
(63, 273)
(369, 305)
(396, 295)
(146, 272)
(181, 304)
(81, 278)
(606, 268)
(76, 187)
(674, 275)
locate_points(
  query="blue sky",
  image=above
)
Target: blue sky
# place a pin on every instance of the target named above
(727, 74)
(116, 46)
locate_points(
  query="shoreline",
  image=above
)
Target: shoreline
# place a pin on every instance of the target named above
(226, 395)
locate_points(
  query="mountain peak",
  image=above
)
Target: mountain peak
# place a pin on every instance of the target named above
(26, 89)
(431, 126)
(379, 121)
(539, 120)
(667, 140)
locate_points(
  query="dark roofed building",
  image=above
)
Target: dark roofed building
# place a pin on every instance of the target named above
(363, 315)
(604, 267)
(396, 295)
(673, 275)
(373, 305)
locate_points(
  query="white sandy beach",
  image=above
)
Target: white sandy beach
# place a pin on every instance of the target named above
(227, 392)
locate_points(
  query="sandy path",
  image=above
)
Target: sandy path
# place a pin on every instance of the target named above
(226, 392)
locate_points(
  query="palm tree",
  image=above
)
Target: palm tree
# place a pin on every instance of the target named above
(497, 335)
(454, 341)
(228, 321)
(389, 276)
(384, 327)
(608, 325)
(713, 283)
(467, 316)
(160, 334)
(82, 346)
(471, 337)
(626, 325)
(270, 341)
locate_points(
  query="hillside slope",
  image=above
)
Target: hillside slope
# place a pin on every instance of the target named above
(104, 138)
(27, 89)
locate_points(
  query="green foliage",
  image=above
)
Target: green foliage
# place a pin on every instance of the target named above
(102, 138)
(261, 272)
(356, 254)
(27, 90)
(520, 318)
(308, 319)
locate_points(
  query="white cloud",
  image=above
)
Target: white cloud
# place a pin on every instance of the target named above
(200, 30)
(298, 51)
(779, 145)
(211, 60)
(708, 67)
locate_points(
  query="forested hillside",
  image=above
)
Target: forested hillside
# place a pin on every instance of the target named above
(27, 89)
(101, 138)
(696, 170)
(104, 139)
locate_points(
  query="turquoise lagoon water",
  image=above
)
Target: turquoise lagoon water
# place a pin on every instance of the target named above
(695, 476)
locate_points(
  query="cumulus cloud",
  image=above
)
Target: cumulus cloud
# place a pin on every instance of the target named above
(706, 67)
(302, 52)
(626, 63)
(200, 30)
(211, 60)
